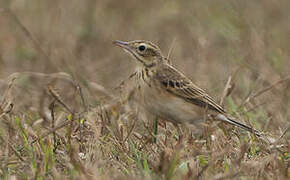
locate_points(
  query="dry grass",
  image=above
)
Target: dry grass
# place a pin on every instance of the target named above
(61, 115)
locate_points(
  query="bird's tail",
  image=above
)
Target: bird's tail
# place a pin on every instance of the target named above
(238, 124)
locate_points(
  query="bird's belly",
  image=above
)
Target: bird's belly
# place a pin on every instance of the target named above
(170, 107)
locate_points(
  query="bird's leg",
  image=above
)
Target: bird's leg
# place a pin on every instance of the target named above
(155, 129)
(180, 133)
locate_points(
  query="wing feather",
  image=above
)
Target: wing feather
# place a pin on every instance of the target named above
(179, 85)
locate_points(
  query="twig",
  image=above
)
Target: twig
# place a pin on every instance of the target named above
(7, 91)
(13, 149)
(282, 135)
(82, 97)
(201, 172)
(7, 110)
(27, 33)
(51, 107)
(230, 85)
(249, 93)
(227, 89)
(51, 131)
(253, 108)
(56, 96)
(131, 130)
(265, 90)
(170, 50)
(231, 175)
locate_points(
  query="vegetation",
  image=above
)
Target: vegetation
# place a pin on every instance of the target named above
(64, 113)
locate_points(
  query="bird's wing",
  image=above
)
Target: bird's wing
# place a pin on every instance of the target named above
(179, 85)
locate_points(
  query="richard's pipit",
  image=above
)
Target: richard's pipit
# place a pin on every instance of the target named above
(169, 94)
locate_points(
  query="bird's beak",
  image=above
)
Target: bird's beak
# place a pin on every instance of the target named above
(122, 44)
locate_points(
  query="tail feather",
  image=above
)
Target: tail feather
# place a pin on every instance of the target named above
(238, 124)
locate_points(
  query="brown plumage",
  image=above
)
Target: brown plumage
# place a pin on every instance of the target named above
(168, 93)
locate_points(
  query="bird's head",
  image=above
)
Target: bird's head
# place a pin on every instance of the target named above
(145, 52)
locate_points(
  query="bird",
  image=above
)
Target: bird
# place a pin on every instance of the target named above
(168, 93)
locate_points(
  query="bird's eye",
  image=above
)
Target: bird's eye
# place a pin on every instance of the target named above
(141, 48)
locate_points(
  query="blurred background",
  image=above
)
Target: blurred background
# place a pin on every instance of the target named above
(49, 47)
(209, 41)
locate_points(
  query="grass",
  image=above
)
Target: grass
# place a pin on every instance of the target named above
(62, 117)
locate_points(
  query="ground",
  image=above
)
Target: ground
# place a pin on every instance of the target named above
(64, 115)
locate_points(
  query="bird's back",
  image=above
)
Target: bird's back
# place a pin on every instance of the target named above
(177, 84)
